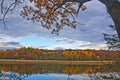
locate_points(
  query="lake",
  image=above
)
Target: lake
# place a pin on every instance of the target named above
(43, 71)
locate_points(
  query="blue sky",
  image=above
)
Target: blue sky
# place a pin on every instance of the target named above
(23, 33)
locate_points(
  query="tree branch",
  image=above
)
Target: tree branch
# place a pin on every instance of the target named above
(9, 7)
(2, 1)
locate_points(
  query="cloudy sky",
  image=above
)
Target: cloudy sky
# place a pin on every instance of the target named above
(23, 33)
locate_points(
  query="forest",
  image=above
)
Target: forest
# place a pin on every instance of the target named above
(66, 54)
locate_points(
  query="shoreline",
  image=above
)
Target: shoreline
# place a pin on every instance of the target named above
(16, 61)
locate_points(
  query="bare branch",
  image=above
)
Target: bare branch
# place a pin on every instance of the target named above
(69, 13)
(79, 9)
(9, 7)
(2, 6)
(6, 13)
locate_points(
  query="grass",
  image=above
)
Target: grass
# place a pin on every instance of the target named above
(57, 62)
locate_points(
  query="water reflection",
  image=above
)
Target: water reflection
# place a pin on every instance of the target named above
(58, 72)
(108, 76)
(9, 76)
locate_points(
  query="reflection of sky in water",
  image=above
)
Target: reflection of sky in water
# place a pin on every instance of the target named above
(58, 72)
(53, 76)
(59, 76)
(93, 76)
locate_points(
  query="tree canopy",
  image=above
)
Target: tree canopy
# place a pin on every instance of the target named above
(50, 13)
(56, 14)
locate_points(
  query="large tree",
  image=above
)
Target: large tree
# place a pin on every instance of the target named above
(55, 14)
(113, 8)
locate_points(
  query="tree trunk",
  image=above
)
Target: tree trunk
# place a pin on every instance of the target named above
(113, 8)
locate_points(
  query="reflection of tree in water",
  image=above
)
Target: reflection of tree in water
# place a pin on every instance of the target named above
(12, 76)
(69, 71)
(93, 76)
(102, 76)
(58, 68)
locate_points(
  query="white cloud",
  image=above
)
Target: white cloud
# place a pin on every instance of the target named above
(95, 19)
(10, 45)
(66, 43)
(6, 38)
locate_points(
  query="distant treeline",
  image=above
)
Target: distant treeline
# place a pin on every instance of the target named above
(68, 54)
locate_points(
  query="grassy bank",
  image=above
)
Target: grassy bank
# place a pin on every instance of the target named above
(13, 61)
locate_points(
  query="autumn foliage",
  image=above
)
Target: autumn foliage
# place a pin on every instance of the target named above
(68, 54)
(51, 13)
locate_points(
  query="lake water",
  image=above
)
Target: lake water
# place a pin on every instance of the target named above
(58, 72)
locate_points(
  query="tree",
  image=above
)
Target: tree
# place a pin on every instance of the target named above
(55, 14)
(113, 8)
(48, 12)
(5, 9)
(52, 13)
(112, 40)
